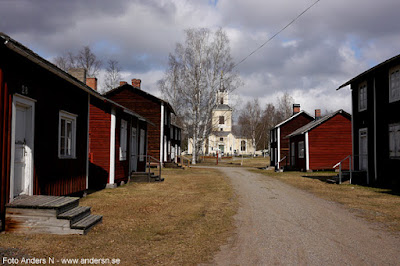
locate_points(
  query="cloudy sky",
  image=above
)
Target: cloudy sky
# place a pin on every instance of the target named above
(327, 46)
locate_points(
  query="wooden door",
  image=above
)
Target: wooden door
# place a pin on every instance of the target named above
(133, 152)
(363, 149)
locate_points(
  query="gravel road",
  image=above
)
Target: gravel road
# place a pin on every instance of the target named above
(281, 225)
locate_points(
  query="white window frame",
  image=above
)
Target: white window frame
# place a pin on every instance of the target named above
(68, 118)
(123, 141)
(394, 141)
(394, 85)
(301, 149)
(362, 97)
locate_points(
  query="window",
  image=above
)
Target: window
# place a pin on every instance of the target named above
(292, 153)
(394, 141)
(221, 120)
(221, 139)
(123, 140)
(221, 129)
(362, 97)
(222, 100)
(301, 149)
(67, 135)
(243, 145)
(394, 85)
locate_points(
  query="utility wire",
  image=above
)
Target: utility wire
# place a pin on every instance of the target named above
(276, 34)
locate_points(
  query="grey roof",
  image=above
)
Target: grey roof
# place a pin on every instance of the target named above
(369, 71)
(221, 133)
(223, 107)
(316, 123)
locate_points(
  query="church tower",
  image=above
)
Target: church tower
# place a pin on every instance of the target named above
(222, 113)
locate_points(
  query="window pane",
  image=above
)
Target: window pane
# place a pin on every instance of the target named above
(62, 128)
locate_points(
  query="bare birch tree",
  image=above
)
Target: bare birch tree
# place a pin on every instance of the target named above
(85, 59)
(112, 76)
(196, 70)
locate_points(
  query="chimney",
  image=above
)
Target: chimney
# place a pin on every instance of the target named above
(317, 114)
(296, 108)
(92, 83)
(78, 73)
(122, 83)
(136, 83)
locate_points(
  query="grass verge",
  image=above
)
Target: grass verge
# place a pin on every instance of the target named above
(183, 220)
(256, 162)
(374, 204)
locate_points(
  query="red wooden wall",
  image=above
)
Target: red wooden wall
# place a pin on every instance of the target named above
(330, 142)
(288, 128)
(5, 144)
(145, 107)
(99, 143)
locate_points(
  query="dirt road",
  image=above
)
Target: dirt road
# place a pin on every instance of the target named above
(280, 225)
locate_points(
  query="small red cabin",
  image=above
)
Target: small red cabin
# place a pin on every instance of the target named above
(321, 144)
(153, 109)
(44, 119)
(117, 143)
(279, 145)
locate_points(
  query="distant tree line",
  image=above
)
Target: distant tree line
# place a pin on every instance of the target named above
(255, 122)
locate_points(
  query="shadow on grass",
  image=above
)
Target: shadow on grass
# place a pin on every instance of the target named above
(322, 178)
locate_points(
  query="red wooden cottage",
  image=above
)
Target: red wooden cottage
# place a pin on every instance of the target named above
(117, 140)
(155, 110)
(279, 145)
(44, 119)
(322, 143)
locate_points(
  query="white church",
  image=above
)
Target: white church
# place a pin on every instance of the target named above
(222, 140)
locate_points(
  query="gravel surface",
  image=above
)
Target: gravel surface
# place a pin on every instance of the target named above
(281, 225)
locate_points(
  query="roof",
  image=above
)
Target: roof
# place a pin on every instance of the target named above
(35, 58)
(140, 92)
(223, 107)
(316, 123)
(292, 117)
(397, 57)
(221, 133)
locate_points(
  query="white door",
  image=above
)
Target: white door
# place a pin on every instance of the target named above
(363, 149)
(21, 180)
(133, 156)
(20, 151)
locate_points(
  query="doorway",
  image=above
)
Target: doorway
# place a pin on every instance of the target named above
(22, 146)
(363, 149)
(133, 157)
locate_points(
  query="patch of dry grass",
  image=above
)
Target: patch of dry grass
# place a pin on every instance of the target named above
(183, 220)
(375, 204)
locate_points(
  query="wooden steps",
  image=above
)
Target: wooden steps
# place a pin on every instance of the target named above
(172, 165)
(49, 214)
(141, 177)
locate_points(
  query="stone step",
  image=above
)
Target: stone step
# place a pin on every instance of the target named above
(87, 223)
(75, 214)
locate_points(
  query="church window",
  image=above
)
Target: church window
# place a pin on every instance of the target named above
(243, 145)
(221, 120)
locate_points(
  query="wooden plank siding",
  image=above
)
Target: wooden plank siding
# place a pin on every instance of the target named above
(5, 145)
(288, 128)
(52, 175)
(379, 114)
(149, 109)
(99, 143)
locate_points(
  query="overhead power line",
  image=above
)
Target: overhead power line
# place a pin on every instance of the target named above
(276, 34)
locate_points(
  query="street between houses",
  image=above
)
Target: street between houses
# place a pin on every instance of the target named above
(280, 224)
